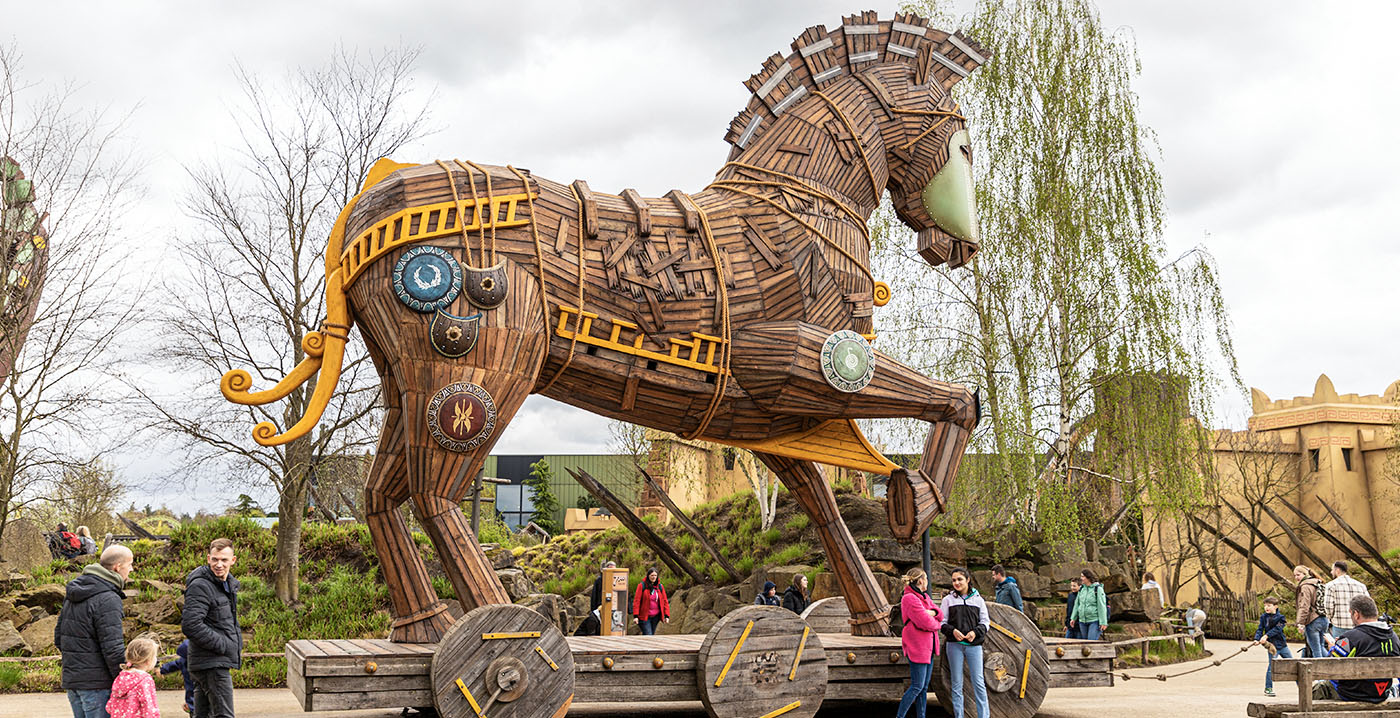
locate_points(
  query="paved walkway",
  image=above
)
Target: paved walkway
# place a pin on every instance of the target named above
(1218, 691)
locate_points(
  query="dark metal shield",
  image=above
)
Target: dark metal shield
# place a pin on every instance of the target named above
(461, 416)
(487, 288)
(453, 336)
(427, 279)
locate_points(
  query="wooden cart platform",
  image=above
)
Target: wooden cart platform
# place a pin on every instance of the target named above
(342, 674)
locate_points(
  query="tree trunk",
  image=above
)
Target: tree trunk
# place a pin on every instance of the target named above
(291, 510)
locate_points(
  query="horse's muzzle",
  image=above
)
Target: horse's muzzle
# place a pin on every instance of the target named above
(938, 247)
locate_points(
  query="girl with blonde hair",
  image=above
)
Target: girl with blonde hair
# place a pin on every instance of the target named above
(134, 691)
(919, 638)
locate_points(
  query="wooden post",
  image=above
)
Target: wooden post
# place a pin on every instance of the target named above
(1266, 568)
(1394, 577)
(1265, 540)
(639, 528)
(1297, 540)
(1341, 545)
(691, 527)
(1305, 687)
(1144, 645)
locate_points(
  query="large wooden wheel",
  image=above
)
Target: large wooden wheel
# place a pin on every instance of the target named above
(761, 661)
(503, 661)
(1006, 666)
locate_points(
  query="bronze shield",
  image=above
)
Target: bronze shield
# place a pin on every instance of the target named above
(453, 336)
(486, 288)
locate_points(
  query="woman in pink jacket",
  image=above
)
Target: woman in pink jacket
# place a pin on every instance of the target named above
(922, 620)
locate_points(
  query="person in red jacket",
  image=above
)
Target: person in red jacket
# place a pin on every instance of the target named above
(650, 605)
(919, 638)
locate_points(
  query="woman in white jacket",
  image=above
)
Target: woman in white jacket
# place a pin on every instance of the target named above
(965, 625)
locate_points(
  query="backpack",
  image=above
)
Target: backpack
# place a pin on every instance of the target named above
(1320, 600)
(71, 539)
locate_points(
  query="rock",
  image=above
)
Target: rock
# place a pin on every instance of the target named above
(516, 584)
(1063, 572)
(151, 584)
(161, 610)
(1060, 552)
(500, 558)
(1135, 606)
(891, 550)
(947, 548)
(882, 567)
(39, 634)
(11, 579)
(826, 586)
(1137, 630)
(553, 607)
(1116, 583)
(781, 575)
(1113, 554)
(48, 597)
(1033, 585)
(11, 640)
(168, 636)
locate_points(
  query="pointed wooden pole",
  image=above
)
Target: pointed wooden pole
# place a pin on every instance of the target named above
(1341, 545)
(1265, 540)
(1243, 552)
(638, 527)
(1297, 540)
(1394, 578)
(690, 526)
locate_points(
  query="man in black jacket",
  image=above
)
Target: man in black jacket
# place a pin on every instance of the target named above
(89, 632)
(1371, 637)
(210, 621)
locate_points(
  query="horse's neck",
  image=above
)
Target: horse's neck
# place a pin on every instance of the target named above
(838, 150)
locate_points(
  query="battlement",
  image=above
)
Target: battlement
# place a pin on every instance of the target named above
(1325, 405)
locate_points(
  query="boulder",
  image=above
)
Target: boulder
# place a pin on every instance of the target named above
(39, 635)
(161, 610)
(1113, 554)
(947, 548)
(48, 597)
(1091, 550)
(11, 640)
(882, 549)
(150, 584)
(516, 584)
(1135, 606)
(553, 607)
(1033, 585)
(882, 567)
(781, 575)
(11, 579)
(1137, 630)
(824, 585)
(1063, 572)
(1116, 583)
(1059, 552)
(501, 558)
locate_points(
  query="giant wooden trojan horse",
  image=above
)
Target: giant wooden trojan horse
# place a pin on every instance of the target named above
(740, 314)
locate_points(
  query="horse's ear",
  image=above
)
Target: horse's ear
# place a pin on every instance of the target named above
(948, 61)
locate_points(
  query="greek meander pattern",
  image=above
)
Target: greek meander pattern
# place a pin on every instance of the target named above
(1323, 415)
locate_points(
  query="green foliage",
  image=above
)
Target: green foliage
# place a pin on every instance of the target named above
(546, 504)
(10, 675)
(587, 501)
(1090, 343)
(246, 506)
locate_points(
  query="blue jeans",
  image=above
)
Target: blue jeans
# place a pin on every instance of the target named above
(972, 655)
(1269, 672)
(917, 693)
(649, 625)
(1312, 634)
(1336, 633)
(91, 703)
(1090, 630)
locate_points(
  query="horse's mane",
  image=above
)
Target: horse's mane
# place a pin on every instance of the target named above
(863, 41)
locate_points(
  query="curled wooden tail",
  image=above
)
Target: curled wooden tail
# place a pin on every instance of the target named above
(325, 349)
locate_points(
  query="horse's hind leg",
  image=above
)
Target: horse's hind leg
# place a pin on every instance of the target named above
(870, 611)
(419, 617)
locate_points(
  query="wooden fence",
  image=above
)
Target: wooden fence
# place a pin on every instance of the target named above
(1232, 617)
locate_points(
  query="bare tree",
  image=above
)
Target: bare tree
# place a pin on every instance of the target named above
(59, 401)
(1254, 470)
(255, 274)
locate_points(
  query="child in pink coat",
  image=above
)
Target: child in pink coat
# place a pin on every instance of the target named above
(134, 691)
(922, 621)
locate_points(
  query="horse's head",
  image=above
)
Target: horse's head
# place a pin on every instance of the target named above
(927, 148)
(898, 72)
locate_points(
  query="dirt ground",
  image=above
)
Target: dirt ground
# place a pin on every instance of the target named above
(1216, 691)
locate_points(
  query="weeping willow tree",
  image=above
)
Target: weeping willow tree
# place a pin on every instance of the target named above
(1093, 348)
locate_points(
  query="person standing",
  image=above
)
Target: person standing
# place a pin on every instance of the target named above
(89, 632)
(919, 638)
(769, 595)
(1150, 582)
(1311, 621)
(650, 605)
(134, 691)
(210, 622)
(1337, 598)
(595, 599)
(795, 597)
(965, 624)
(1090, 608)
(1270, 632)
(1008, 592)
(1069, 608)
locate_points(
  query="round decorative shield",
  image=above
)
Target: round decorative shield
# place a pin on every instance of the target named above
(461, 416)
(427, 279)
(848, 362)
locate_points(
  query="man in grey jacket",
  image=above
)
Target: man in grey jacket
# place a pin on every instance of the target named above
(89, 632)
(210, 621)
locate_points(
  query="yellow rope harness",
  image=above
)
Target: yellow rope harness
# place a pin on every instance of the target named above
(539, 268)
(578, 318)
(490, 200)
(722, 309)
(836, 109)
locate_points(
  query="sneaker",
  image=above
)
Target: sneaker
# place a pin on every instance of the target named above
(1269, 692)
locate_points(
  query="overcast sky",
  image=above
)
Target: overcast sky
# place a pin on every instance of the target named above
(1276, 121)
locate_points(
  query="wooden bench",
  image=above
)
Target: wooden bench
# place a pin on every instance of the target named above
(1306, 670)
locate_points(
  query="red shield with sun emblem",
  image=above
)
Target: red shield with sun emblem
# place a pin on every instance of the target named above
(461, 416)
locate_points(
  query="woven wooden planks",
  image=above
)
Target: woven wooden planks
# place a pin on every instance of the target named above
(761, 661)
(504, 660)
(1016, 669)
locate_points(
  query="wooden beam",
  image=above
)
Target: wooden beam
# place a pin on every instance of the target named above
(690, 526)
(638, 527)
(1265, 540)
(1268, 570)
(135, 528)
(1296, 539)
(1341, 545)
(1394, 577)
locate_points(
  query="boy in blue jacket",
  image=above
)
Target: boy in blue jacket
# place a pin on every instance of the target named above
(180, 664)
(1270, 635)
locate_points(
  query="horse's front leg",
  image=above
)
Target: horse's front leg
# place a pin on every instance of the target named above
(783, 366)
